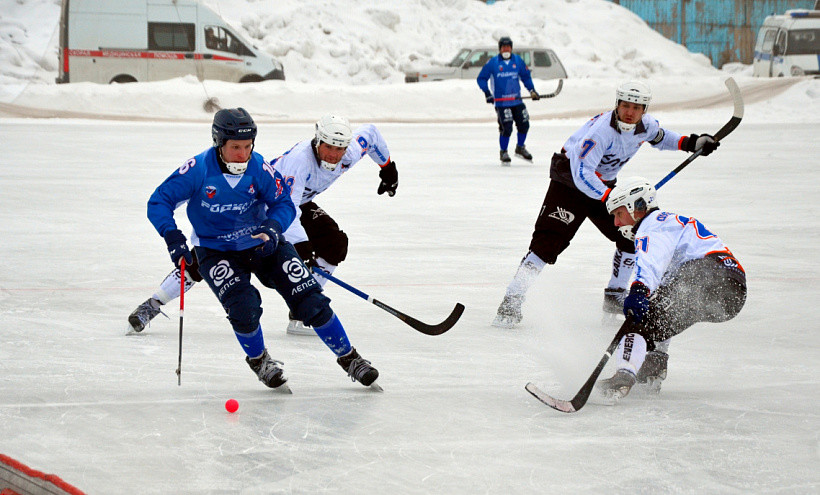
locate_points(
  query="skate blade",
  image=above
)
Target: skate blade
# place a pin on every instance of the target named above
(129, 330)
(500, 322)
(506, 164)
(376, 387)
(524, 158)
(284, 389)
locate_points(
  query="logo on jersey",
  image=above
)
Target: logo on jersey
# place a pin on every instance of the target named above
(210, 191)
(251, 190)
(562, 215)
(295, 270)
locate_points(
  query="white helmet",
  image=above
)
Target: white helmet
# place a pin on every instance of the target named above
(333, 130)
(634, 92)
(636, 193)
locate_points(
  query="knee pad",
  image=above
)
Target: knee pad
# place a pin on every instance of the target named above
(314, 310)
(244, 308)
(332, 247)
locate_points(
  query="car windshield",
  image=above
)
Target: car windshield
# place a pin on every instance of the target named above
(803, 42)
(459, 59)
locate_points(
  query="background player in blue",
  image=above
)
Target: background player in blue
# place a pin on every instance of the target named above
(505, 70)
(582, 175)
(239, 206)
(683, 274)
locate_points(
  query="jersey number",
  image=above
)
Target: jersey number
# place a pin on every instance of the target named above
(586, 148)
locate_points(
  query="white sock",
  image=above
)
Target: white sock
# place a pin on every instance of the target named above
(326, 267)
(622, 265)
(527, 272)
(169, 288)
(631, 353)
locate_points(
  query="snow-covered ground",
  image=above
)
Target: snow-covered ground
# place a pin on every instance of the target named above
(738, 413)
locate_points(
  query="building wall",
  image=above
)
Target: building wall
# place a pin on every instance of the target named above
(723, 30)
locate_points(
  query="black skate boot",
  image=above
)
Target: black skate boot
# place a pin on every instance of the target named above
(509, 312)
(616, 388)
(358, 368)
(614, 300)
(521, 152)
(268, 370)
(653, 371)
(505, 158)
(144, 313)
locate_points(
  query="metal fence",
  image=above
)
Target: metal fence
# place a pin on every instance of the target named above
(723, 30)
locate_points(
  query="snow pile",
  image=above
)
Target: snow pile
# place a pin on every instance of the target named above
(367, 42)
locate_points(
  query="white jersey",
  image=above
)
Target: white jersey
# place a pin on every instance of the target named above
(599, 150)
(307, 179)
(665, 241)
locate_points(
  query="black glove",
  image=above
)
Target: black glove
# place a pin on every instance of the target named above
(703, 142)
(534, 95)
(489, 97)
(273, 231)
(390, 179)
(636, 303)
(178, 247)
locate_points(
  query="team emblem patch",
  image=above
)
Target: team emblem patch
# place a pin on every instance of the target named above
(295, 269)
(220, 272)
(210, 191)
(562, 215)
(251, 190)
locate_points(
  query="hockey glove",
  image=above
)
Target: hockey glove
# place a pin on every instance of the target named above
(636, 303)
(270, 232)
(703, 142)
(489, 98)
(178, 247)
(390, 179)
(534, 95)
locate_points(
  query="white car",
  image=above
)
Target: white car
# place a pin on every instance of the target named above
(788, 45)
(543, 63)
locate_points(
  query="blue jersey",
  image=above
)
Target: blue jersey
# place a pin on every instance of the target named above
(223, 209)
(505, 75)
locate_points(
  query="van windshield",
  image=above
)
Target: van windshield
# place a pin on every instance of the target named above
(803, 42)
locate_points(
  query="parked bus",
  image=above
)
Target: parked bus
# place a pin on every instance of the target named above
(106, 41)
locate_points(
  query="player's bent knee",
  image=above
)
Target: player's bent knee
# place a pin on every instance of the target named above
(244, 308)
(314, 310)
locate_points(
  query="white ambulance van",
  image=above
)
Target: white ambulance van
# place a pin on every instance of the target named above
(788, 45)
(107, 41)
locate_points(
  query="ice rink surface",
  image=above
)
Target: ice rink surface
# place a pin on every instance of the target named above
(78, 398)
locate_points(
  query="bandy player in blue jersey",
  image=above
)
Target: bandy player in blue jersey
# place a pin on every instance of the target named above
(581, 178)
(239, 206)
(308, 168)
(683, 274)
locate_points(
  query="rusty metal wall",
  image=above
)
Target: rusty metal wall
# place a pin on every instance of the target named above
(723, 30)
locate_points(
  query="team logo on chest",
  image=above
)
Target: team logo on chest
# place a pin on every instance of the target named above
(251, 190)
(210, 191)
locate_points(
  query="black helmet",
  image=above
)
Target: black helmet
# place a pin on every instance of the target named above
(505, 41)
(232, 123)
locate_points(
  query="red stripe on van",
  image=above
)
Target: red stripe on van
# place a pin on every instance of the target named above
(139, 54)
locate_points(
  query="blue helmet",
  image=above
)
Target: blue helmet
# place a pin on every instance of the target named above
(232, 123)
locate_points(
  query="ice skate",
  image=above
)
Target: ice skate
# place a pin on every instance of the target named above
(614, 300)
(505, 158)
(296, 327)
(143, 315)
(653, 372)
(611, 390)
(359, 369)
(509, 312)
(269, 371)
(521, 152)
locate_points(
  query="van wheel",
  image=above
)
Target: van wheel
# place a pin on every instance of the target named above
(251, 78)
(123, 78)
